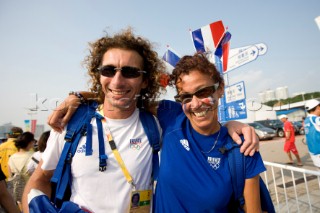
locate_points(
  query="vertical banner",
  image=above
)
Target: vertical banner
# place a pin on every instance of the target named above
(33, 126)
(27, 125)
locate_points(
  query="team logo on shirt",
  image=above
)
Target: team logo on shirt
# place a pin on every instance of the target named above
(81, 149)
(135, 143)
(214, 162)
(185, 144)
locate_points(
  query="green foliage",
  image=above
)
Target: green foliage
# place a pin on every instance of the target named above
(294, 99)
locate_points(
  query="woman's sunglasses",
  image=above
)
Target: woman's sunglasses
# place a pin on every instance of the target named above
(126, 71)
(201, 93)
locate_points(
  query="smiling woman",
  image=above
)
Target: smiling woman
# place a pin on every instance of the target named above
(194, 174)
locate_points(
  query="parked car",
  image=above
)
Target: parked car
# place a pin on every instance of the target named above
(275, 124)
(299, 126)
(263, 132)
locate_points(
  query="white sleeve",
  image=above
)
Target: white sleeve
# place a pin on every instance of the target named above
(51, 154)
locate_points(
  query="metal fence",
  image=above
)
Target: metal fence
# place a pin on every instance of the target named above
(293, 189)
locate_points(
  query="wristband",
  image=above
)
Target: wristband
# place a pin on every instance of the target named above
(78, 94)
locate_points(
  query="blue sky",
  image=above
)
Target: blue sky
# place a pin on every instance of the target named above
(44, 42)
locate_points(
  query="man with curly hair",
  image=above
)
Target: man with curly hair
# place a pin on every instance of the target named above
(124, 71)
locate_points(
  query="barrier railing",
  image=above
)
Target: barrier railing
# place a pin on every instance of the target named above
(293, 189)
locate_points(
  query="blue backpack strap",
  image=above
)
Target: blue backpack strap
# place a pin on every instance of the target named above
(151, 129)
(77, 127)
(102, 152)
(236, 162)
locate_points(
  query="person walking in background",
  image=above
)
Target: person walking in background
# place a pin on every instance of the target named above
(289, 143)
(8, 148)
(35, 159)
(17, 165)
(6, 200)
(312, 130)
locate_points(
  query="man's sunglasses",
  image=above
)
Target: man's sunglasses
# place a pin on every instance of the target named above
(126, 71)
(201, 93)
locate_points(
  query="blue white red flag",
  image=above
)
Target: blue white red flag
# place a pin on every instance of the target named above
(207, 38)
(171, 57)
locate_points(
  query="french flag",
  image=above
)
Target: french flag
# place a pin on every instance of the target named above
(170, 57)
(208, 38)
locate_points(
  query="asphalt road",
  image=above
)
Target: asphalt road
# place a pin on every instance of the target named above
(272, 151)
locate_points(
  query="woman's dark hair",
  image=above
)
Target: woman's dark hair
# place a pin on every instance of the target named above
(198, 61)
(42, 142)
(24, 140)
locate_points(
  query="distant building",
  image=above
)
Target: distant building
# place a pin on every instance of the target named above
(262, 97)
(282, 93)
(4, 129)
(270, 95)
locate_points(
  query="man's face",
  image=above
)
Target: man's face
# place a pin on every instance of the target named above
(121, 92)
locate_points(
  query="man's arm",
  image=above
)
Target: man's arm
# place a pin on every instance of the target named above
(287, 134)
(40, 180)
(251, 141)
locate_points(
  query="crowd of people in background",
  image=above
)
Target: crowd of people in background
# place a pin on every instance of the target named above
(19, 155)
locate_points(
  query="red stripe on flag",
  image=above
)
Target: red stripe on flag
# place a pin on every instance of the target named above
(225, 55)
(217, 31)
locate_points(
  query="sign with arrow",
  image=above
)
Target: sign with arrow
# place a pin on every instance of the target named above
(234, 106)
(235, 92)
(243, 55)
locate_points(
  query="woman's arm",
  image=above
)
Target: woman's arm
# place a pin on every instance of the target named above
(62, 114)
(252, 195)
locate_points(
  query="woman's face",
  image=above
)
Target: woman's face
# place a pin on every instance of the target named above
(202, 110)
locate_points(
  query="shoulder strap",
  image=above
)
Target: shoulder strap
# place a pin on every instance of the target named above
(24, 164)
(151, 129)
(237, 169)
(35, 160)
(77, 127)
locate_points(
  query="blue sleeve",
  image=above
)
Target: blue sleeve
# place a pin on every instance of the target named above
(167, 112)
(254, 165)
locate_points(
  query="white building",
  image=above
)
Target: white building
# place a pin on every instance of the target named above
(262, 97)
(282, 93)
(270, 95)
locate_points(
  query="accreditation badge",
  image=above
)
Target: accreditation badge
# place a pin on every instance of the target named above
(140, 201)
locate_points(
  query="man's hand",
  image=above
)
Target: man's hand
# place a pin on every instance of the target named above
(62, 114)
(251, 141)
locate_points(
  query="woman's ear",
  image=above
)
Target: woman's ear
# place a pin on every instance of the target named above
(221, 89)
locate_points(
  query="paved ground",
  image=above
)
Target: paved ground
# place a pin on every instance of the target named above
(272, 151)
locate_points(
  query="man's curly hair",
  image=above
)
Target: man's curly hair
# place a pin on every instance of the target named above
(152, 64)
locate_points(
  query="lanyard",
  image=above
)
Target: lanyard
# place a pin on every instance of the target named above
(116, 153)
